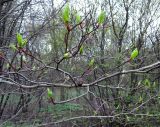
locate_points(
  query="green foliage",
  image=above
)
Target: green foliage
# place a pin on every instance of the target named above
(66, 13)
(91, 63)
(140, 99)
(147, 83)
(24, 58)
(89, 29)
(101, 17)
(7, 65)
(12, 124)
(19, 39)
(134, 54)
(49, 93)
(128, 99)
(24, 42)
(21, 42)
(128, 118)
(66, 107)
(58, 108)
(81, 50)
(66, 55)
(8, 124)
(13, 47)
(78, 18)
(154, 85)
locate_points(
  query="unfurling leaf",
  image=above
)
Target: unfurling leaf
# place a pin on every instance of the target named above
(91, 63)
(147, 83)
(66, 13)
(140, 99)
(13, 47)
(66, 55)
(49, 92)
(21, 42)
(19, 39)
(101, 17)
(78, 18)
(81, 50)
(24, 42)
(134, 54)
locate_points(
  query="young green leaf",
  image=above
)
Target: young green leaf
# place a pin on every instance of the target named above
(24, 58)
(66, 13)
(78, 18)
(154, 84)
(140, 99)
(101, 17)
(19, 39)
(24, 42)
(49, 92)
(66, 55)
(81, 50)
(13, 47)
(147, 83)
(134, 54)
(118, 106)
(95, 113)
(91, 63)
(128, 118)
(7, 65)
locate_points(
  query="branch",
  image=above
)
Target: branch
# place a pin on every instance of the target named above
(144, 69)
